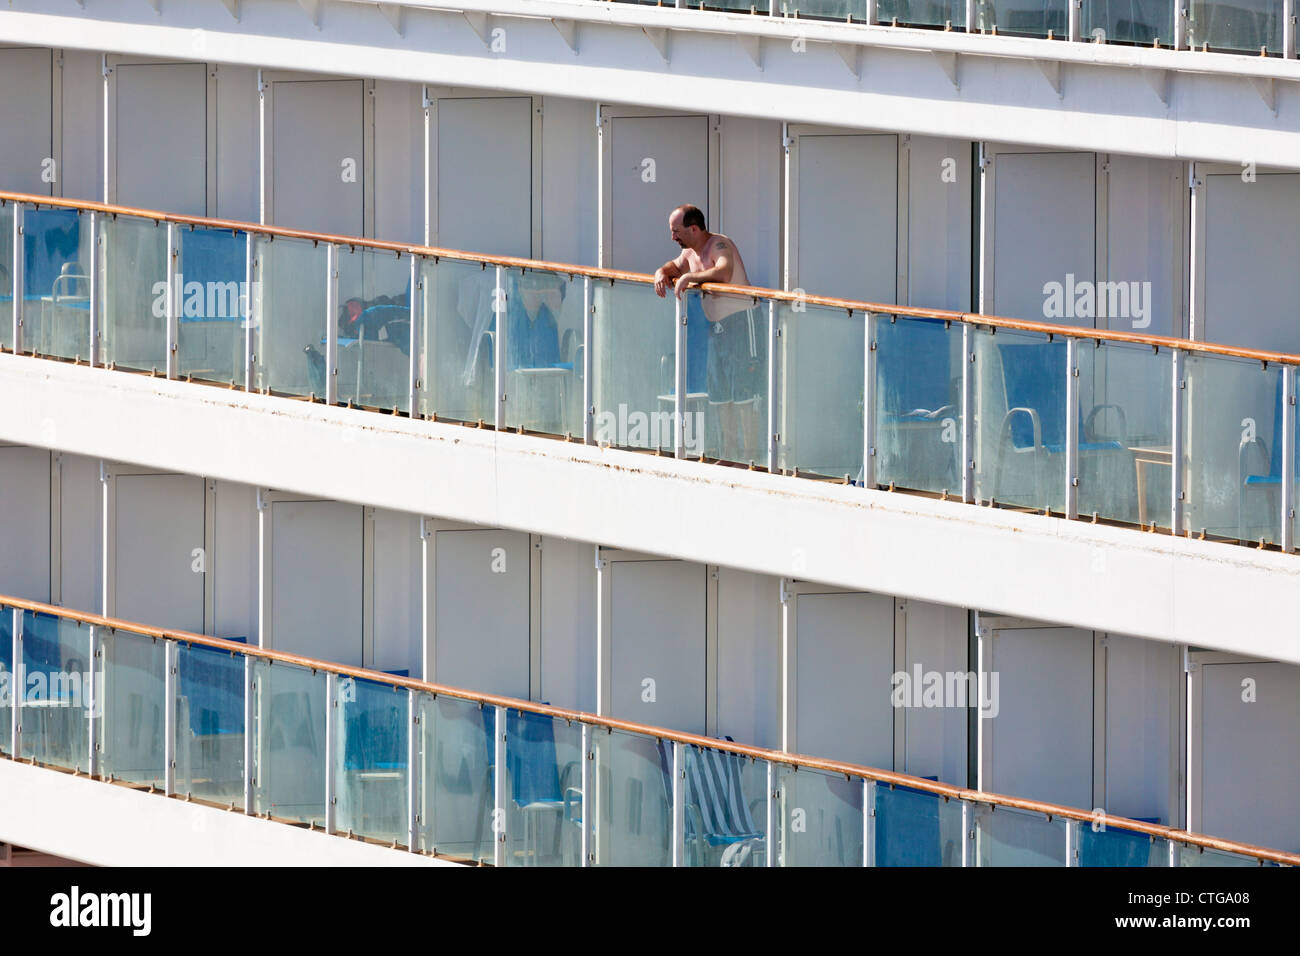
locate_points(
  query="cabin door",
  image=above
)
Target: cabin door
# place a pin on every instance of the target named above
(25, 517)
(318, 144)
(26, 161)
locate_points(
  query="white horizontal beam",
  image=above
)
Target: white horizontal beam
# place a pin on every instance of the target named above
(108, 825)
(1068, 572)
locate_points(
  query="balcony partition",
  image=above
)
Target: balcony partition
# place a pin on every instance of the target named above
(1185, 437)
(486, 779)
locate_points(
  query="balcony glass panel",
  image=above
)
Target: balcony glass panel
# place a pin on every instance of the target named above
(289, 297)
(1112, 847)
(725, 796)
(923, 13)
(543, 816)
(842, 10)
(212, 316)
(1125, 432)
(1128, 21)
(133, 280)
(634, 366)
(733, 420)
(1232, 431)
(544, 351)
(1199, 856)
(632, 803)
(1241, 26)
(456, 342)
(372, 723)
(8, 688)
(918, 404)
(916, 827)
(6, 275)
(133, 728)
(1035, 18)
(1020, 419)
(57, 259)
(374, 328)
(456, 786)
(210, 724)
(819, 818)
(819, 400)
(289, 743)
(1007, 837)
(55, 696)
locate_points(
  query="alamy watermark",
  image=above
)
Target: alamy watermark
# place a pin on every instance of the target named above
(633, 428)
(946, 689)
(46, 688)
(1085, 299)
(203, 300)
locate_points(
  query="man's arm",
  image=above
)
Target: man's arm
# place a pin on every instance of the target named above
(721, 270)
(668, 271)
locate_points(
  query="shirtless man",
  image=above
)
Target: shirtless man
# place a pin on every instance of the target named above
(737, 349)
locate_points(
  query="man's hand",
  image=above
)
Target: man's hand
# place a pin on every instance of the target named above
(684, 282)
(661, 283)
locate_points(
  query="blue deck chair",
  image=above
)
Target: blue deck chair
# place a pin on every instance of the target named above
(538, 785)
(720, 826)
(1034, 377)
(1271, 482)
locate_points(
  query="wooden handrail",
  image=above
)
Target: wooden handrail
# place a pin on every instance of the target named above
(795, 761)
(618, 275)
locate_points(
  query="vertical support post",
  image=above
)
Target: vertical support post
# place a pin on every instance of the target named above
(331, 749)
(20, 681)
(968, 834)
(1180, 24)
(252, 309)
(331, 325)
(20, 280)
(1074, 27)
(501, 349)
(97, 253)
(588, 391)
(94, 725)
(175, 286)
(868, 403)
(1176, 450)
(171, 663)
(868, 822)
(413, 344)
(871, 11)
(679, 809)
(587, 803)
(774, 8)
(263, 145)
(1288, 457)
(968, 414)
(772, 823)
(1071, 842)
(679, 378)
(1173, 853)
(773, 437)
(413, 775)
(1288, 29)
(250, 719)
(1071, 428)
(499, 783)
(971, 7)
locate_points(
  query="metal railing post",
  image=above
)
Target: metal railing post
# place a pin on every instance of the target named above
(1288, 29)
(1180, 24)
(20, 682)
(968, 414)
(772, 836)
(175, 292)
(98, 250)
(1071, 429)
(1074, 28)
(679, 378)
(499, 309)
(1176, 503)
(413, 771)
(868, 822)
(971, 7)
(250, 721)
(413, 343)
(967, 834)
(171, 658)
(94, 725)
(499, 781)
(679, 808)
(331, 749)
(869, 358)
(587, 847)
(20, 280)
(588, 390)
(773, 437)
(1288, 457)
(1071, 842)
(252, 309)
(331, 325)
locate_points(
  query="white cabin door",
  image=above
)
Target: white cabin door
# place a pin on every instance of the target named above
(1043, 229)
(844, 650)
(656, 163)
(318, 144)
(485, 175)
(160, 137)
(316, 580)
(157, 525)
(483, 611)
(844, 216)
(658, 643)
(1038, 723)
(1246, 751)
(25, 518)
(25, 160)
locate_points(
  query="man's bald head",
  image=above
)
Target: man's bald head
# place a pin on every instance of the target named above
(686, 224)
(691, 216)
